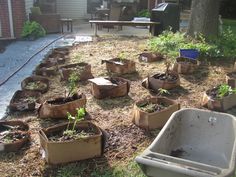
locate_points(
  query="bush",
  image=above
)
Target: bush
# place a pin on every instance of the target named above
(169, 43)
(32, 30)
(144, 13)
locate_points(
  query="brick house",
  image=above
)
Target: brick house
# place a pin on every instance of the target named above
(13, 14)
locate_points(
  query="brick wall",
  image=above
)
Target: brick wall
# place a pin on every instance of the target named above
(4, 19)
(19, 17)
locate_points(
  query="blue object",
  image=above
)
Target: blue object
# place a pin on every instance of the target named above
(189, 53)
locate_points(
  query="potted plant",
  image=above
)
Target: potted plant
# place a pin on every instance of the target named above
(79, 140)
(185, 65)
(150, 57)
(83, 70)
(35, 83)
(120, 65)
(13, 135)
(58, 107)
(167, 80)
(153, 113)
(220, 98)
(109, 87)
(231, 79)
(24, 100)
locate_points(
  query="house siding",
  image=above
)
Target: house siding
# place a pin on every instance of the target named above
(75, 9)
(28, 5)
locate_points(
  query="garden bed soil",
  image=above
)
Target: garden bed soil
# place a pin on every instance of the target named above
(113, 87)
(24, 100)
(231, 79)
(83, 70)
(185, 65)
(154, 112)
(13, 135)
(150, 57)
(75, 149)
(124, 139)
(35, 83)
(211, 101)
(162, 80)
(58, 107)
(120, 66)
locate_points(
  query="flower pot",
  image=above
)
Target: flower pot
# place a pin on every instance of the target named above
(155, 119)
(120, 66)
(185, 65)
(83, 70)
(35, 83)
(58, 107)
(71, 150)
(22, 129)
(218, 104)
(156, 81)
(109, 87)
(24, 100)
(231, 79)
(46, 69)
(150, 57)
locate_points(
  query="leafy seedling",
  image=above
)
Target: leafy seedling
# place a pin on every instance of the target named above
(162, 92)
(72, 84)
(225, 90)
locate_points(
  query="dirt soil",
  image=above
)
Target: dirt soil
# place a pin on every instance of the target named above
(124, 139)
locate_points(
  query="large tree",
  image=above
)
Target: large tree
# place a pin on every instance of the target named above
(204, 18)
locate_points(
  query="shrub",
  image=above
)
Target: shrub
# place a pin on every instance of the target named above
(169, 43)
(144, 13)
(32, 30)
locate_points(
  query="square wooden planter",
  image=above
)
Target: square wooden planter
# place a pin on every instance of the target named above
(157, 119)
(185, 65)
(150, 57)
(120, 66)
(49, 110)
(70, 151)
(231, 79)
(15, 146)
(221, 104)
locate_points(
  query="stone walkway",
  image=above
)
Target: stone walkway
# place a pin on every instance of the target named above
(17, 54)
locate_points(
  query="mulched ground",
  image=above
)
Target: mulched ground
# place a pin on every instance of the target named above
(112, 115)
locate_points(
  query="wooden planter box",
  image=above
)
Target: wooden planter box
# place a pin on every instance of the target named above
(107, 89)
(70, 151)
(35, 79)
(231, 79)
(17, 103)
(49, 110)
(156, 119)
(115, 66)
(222, 104)
(185, 65)
(15, 146)
(150, 57)
(154, 84)
(84, 71)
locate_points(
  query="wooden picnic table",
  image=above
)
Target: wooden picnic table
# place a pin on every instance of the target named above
(122, 23)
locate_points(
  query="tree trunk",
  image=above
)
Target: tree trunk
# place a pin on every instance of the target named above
(204, 18)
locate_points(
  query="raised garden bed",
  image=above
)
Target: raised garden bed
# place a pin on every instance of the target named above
(46, 69)
(13, 135)
(24, 100)
(59, 148)
(35, 83)
(166, 81)
(150, 57)
(185, 65)
(58, 107)
(109, 87)
(120, 66)
(154, 112)
(220, 98)
(231, 79)
(83, 71)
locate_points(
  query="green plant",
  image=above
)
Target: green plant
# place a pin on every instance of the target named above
(78, 117)
(122, 55)
(144, 13)
(72, 83)
(225, 90)
(163, 91)
(32, 30)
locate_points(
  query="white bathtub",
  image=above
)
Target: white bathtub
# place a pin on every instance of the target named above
(195, 143)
